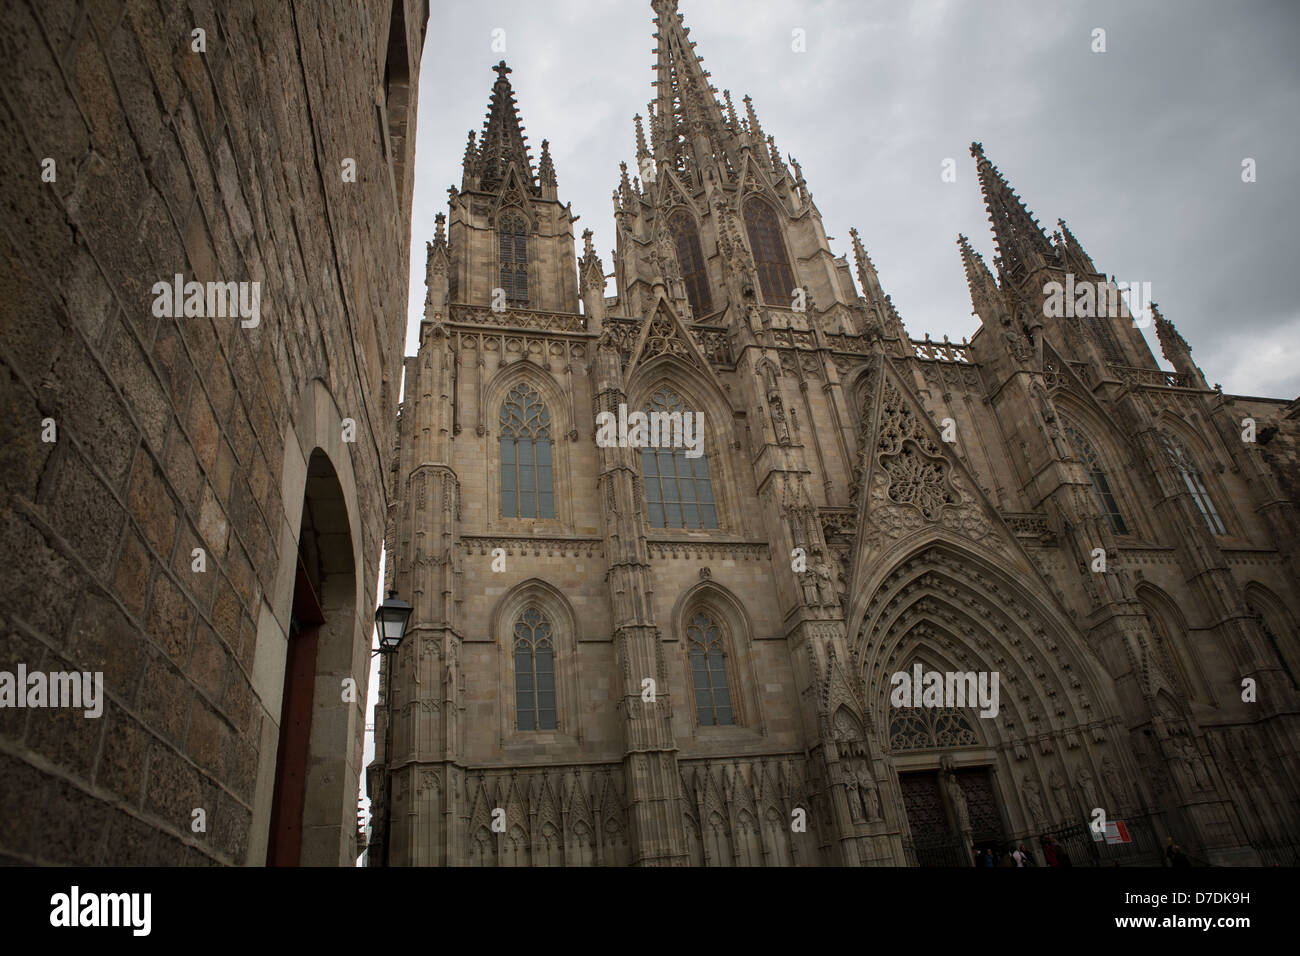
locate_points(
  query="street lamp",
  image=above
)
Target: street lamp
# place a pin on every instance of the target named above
(391, 618)
(390, 621)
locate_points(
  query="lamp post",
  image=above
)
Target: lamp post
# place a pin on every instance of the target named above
(391, 619)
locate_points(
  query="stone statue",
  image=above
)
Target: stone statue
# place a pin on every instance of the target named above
(1057, 783)
(667, 256)
(1054, 432)
(1020, 350)
(1195, 765)
(825, 578)
(956, 797)
(1088, 788)
(779, 425)
(852, 792)
(1114, 783)
(867, 791)
(1034, 801)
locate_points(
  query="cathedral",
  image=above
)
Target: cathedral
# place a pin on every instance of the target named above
(638, 653)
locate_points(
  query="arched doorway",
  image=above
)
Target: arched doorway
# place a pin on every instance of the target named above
(970, 776)
(307, 823)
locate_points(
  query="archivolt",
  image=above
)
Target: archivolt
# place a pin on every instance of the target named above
(951, 609)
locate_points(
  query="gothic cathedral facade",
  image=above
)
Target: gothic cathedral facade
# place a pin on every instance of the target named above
(651, 656)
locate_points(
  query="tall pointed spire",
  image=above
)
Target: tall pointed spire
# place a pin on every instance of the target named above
(1072, 249)
(546, 166)
(1022, 246)
(688, 126)
(503, 141)
(983, 287)
(1172, 343)
(1176, 350)
(867, 277)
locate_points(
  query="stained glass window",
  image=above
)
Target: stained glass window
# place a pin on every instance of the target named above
(527, 489)
(512, 237)
(1191, 475)
(679, 492)
(709, 672)
(1097, 475)
(534, 672)
(690, 257)
(774, 275)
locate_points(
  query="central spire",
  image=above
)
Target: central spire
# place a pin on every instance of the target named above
(688, 127)
(503, 141)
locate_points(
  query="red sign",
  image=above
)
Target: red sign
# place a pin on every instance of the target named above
(1117, 832)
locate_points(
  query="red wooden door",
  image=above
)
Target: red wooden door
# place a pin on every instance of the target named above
(285, 843)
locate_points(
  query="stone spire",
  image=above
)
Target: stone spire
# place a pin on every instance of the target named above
(503, 142)
(752, 125)
(732, 122)
(1022, 246)
(867, 277)
(688, 127)
(1072, 248)
(436, 270)
(642, 150)
(546, 172)
(591, 284)
(1175, 348)
(469, 165)
(890, 323)
(983, 287)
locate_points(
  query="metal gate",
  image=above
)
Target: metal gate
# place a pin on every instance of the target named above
(1084, 849)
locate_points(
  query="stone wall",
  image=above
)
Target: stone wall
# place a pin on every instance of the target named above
(133, 156)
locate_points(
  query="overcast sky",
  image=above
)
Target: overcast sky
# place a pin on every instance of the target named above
(1139, 148)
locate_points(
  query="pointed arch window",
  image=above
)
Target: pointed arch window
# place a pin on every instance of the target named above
(774, 274)
(1270, 635)
(527, 484)
(534, 672)
(1097, 475)
(1191, 475)
(512, 241)
(690, 257)
(708, 661)
(1171, 660)
(679, 491)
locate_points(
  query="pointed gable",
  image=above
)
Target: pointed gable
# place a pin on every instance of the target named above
(906, 480)
(664, 333)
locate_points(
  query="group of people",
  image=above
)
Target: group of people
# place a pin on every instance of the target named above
(1054, 853)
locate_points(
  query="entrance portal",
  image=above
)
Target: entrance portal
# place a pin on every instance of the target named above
(937, 836)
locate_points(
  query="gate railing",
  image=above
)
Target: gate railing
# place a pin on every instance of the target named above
(1084, 849)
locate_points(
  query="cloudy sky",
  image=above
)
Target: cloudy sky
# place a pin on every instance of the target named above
(1138, 148)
